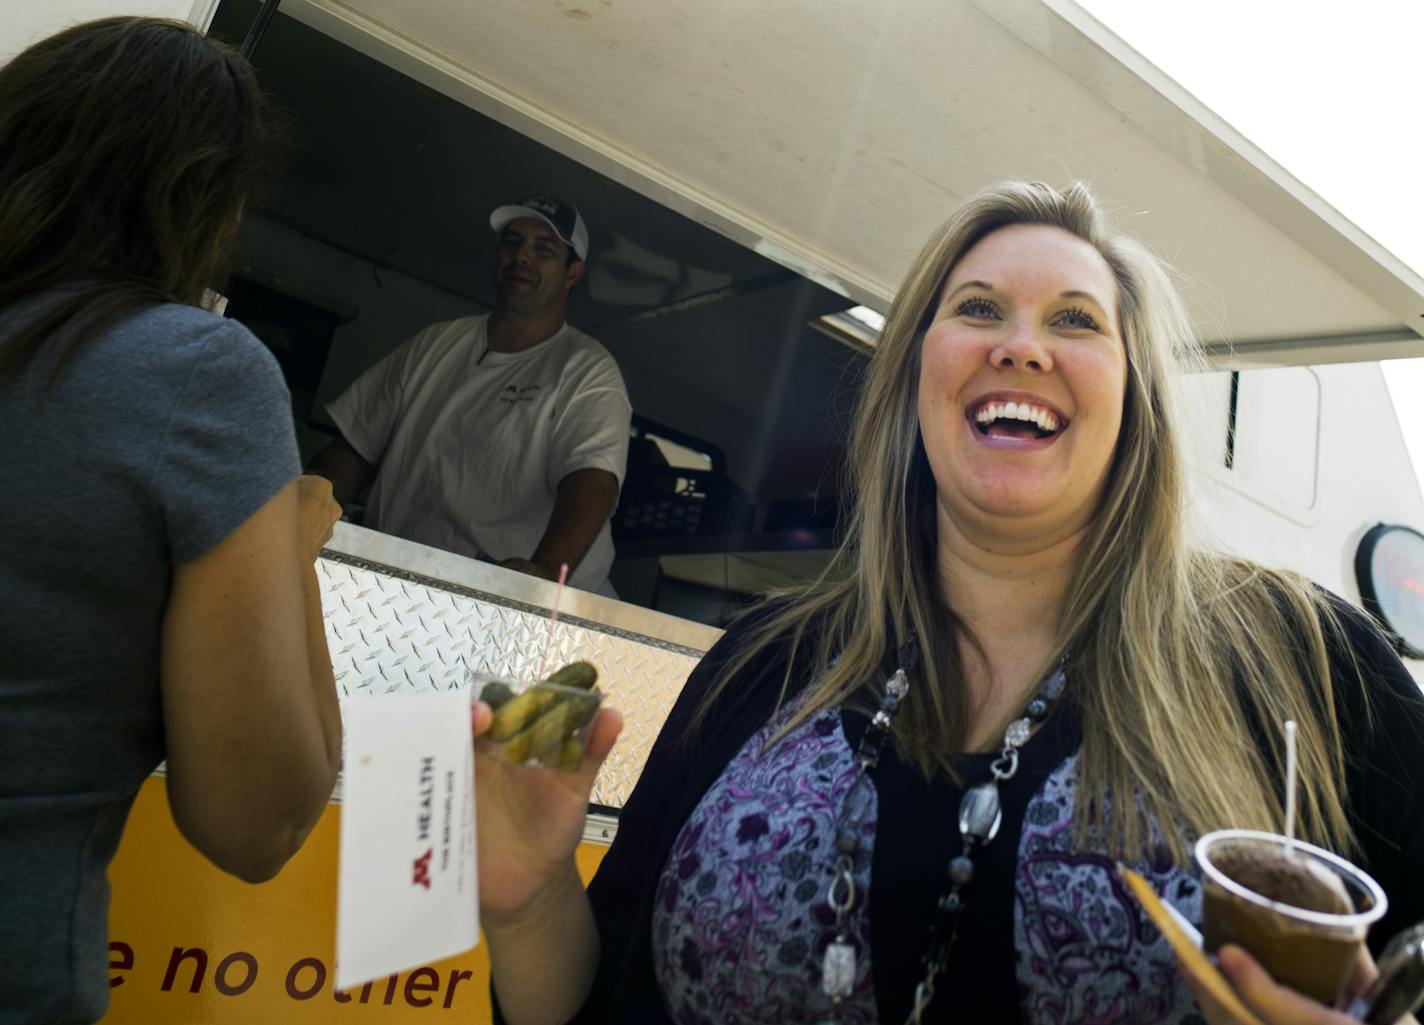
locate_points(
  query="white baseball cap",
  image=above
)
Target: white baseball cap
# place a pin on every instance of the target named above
(566, 221)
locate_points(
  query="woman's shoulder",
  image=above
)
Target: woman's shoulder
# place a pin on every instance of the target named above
(1352, 630)
(765, 633)
(175, 316)
(745, 667)
(156, 348)
(159, 329)
(174, 330)
(150, 360)
(1290, 614)
(1364, 662)
(1371, 686)
(196, 359)
(1299, 602)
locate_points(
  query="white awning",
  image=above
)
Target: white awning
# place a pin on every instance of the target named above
(831, 138)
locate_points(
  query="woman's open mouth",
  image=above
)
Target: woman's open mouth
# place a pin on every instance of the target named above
(1016, 421)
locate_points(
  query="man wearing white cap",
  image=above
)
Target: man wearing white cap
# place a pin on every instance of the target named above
(502, 436)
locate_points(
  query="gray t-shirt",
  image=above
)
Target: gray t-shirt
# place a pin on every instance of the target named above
(159, 438)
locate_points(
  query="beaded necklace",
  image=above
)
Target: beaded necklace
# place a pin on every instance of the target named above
(980, 815)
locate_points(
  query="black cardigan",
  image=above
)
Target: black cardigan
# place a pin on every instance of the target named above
(1385, 779)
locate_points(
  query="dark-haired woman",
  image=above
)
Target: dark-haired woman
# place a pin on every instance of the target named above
(156, 542)
(900, 794)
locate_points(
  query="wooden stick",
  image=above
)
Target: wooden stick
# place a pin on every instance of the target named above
(1190, 957)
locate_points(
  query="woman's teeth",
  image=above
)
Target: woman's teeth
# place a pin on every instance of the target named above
(1024, 412)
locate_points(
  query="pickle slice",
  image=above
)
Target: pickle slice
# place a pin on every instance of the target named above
(495, 694)
(545, 737)
(518, 712)
(570, 755)
(559, 724)
(576, 674)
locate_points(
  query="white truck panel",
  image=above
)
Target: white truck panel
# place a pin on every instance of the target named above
(23, 22)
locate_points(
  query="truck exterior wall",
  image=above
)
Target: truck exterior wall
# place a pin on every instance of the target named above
(23, 22)
(1318, 460)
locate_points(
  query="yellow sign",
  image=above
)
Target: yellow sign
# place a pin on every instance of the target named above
(190, 944)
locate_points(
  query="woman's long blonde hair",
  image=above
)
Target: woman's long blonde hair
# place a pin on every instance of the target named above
(1183, 663)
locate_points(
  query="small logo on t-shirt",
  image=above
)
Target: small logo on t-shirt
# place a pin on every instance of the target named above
(513, 393)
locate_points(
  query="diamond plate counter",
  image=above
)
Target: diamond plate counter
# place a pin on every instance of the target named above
(404, 617)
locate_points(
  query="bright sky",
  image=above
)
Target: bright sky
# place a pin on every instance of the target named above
(1332, 91)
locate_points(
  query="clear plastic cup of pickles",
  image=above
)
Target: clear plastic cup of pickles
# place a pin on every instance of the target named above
(539, 723)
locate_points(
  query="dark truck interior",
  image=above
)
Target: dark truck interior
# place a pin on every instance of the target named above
(379, 226)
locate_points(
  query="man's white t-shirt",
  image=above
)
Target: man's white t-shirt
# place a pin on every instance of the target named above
(471, 445)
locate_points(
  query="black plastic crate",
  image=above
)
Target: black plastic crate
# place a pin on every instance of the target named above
(674, 501)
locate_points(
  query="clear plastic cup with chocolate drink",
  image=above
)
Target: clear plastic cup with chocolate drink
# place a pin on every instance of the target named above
(1300, 911)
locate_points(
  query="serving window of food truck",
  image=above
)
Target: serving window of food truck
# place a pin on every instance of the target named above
(755, 179)
(380, 227)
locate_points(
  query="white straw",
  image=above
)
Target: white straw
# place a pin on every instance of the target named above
(1290, 785)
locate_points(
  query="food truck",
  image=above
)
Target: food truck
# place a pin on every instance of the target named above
(756, 177)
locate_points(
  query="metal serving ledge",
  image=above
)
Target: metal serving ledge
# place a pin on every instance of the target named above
(405, 617)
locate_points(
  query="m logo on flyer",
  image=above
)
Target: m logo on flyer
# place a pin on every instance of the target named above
(422, 870)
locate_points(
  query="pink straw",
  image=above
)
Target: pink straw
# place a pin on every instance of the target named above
(553, 618)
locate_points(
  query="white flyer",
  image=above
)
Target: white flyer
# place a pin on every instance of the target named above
(406, 891)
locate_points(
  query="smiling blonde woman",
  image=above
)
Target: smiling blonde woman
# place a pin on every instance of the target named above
(899, 793)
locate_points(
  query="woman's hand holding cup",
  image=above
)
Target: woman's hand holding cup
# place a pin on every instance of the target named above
(1273, 1003)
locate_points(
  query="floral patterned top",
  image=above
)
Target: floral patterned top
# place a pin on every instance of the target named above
(741, 920)
(710, 905)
